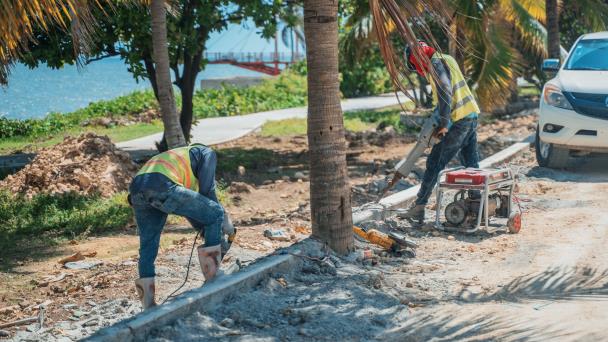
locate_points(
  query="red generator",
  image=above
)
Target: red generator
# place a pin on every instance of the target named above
(481, 195)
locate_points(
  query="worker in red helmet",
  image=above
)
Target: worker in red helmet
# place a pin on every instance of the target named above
(458, 112)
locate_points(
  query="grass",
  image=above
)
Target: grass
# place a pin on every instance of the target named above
(353, 121)
(46, 219)
(117, 134)
(528, 91)
(291, 127)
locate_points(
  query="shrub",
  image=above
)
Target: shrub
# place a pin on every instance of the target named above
(61, 215)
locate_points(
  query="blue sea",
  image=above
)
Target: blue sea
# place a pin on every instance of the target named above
(33, 93)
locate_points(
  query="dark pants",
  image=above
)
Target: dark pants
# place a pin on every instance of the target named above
(462, 137)
(151, 209)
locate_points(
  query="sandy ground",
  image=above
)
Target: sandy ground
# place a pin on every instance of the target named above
(549, 282)
(79, 302)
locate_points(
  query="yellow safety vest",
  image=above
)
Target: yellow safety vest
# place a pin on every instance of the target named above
(175, 165)
(463, 102)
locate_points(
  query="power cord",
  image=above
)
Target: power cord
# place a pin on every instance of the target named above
(187, 270)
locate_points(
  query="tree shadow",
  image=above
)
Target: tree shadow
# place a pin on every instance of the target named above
(557, 283)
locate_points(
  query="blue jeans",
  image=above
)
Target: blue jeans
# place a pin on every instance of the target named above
(462, 137)
(151, 209)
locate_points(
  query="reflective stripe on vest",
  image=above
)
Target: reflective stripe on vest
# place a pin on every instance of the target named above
(175, 165)
(463, 101)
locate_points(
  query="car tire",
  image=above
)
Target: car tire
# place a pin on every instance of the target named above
(548, 155)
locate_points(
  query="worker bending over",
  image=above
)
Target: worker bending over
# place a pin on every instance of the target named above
(181, 182)
(457, 128)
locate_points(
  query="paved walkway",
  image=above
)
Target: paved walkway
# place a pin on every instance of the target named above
(218, 130)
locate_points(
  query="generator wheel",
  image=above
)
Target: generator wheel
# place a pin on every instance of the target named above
(514, 223)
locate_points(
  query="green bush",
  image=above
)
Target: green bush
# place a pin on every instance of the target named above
(61, 215)
(286, 91)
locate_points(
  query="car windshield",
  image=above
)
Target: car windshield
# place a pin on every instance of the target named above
(590, 54)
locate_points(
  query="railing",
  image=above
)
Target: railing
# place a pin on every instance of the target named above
(252, 57)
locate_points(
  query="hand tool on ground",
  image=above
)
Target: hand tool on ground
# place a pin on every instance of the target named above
(425, 140)
(481, 194)
(391, 241)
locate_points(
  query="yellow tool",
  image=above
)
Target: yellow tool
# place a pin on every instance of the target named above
(390, 241)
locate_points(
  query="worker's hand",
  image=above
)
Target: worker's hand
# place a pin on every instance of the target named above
(440, 132)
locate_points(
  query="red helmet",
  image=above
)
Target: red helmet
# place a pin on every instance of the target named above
(412, 62)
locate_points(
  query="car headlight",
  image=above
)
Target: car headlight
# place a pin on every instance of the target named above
(554, 97)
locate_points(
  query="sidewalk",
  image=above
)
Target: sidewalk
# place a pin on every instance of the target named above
(221, 129)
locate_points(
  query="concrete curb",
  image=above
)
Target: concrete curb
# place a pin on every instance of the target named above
(139, 326)
(401, 199)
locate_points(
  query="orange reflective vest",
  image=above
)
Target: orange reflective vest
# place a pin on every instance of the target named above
(175, 165)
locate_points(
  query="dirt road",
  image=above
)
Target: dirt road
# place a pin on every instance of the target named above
(548, 282)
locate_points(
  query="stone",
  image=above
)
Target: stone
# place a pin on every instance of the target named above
(299, 175)
(227, 322)
(4, 333)
(241, 170)
(451, 237)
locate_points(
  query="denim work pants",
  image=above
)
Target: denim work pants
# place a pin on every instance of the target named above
(462, 137)
(151, 209)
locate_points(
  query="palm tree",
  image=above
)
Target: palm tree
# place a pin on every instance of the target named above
(173, 130)
(330, 200)
(553, 28)
(20, 18)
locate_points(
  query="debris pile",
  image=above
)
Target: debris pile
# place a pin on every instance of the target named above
(88, 164)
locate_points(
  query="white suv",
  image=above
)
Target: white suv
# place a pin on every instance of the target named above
(574, 106)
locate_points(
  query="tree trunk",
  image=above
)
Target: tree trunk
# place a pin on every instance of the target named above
(166, 99)
(330, 200)
(553, 45)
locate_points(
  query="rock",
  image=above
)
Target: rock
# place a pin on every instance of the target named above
(274, 169)
(241, 170)
(299, 175)
(4, 333)
(276, 235)
(82, 265)
(239, 187)
(227, 322)
(267, 244)
(286, 178)
(268, 182)
(451, 237)
(70, 306)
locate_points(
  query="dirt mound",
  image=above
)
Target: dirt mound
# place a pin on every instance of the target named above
(87, 164)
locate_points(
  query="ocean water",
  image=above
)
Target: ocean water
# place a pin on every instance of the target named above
(33, 93)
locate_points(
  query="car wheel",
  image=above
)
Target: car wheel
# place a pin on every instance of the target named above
(548, 155)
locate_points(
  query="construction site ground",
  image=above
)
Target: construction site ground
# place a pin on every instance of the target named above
(549, 267)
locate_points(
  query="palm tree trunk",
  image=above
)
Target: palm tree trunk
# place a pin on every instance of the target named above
(330, 201)
(553, 44)
(173, 130)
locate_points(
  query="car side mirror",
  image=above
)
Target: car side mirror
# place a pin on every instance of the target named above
(551, 65)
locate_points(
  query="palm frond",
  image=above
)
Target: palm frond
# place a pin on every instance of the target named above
(593, 13)
(531, 36)
(405, 17)
(493, 73)
(20, 18)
